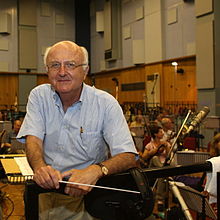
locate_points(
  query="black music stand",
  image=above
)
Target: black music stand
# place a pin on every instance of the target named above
(198, 202)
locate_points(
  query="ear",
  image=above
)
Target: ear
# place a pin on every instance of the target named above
(46, 67)
(86, 72)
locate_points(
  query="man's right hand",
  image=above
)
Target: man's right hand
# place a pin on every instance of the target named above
(47, 177)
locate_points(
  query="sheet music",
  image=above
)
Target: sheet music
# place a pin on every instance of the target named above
(24, 166)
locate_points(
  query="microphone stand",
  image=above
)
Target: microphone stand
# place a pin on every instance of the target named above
(170, 180)
(153, 89)
(172, 151)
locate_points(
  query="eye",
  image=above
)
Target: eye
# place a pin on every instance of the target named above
(55, 65)
(70, 65)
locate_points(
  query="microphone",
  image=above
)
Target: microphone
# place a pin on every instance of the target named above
(198, 119)
(115, 80)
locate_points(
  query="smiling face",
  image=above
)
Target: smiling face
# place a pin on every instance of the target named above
(65, 78)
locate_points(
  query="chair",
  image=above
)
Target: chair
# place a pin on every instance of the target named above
(146, 140)
(190, 143)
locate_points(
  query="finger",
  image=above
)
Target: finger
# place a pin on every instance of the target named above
(66, 174)
(41, 181)
(47, 177)
(55, 177)
(76, 192)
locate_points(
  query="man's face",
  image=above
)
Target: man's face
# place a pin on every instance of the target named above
(17, 126)
(169, 125)
(64, 77)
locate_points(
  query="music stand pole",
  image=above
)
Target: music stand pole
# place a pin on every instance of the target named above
(183, 205)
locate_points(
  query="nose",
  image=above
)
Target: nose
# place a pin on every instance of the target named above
(62, 70)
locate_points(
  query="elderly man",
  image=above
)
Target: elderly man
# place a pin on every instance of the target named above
(70, 129)
(168, 127)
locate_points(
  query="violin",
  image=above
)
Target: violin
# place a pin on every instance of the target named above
(145, 162)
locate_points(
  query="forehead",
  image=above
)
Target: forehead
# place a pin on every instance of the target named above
(65, 52)
(17, 123)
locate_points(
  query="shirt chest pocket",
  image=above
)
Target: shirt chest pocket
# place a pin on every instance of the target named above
(93, 143)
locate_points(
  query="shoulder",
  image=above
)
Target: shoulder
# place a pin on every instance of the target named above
(149, 146)
(42, 90)
(99, 94)
(42, 87)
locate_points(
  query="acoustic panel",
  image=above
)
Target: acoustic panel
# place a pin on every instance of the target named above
(112, 29)
(172, 15)
(5, 23)
(190, 48)
(126, 32)
(151, 6)
(59, 19)
(107, 26)
(153, 38)
(3, 66)
(45, 9)
(27, 47)
(100, 21)
(138, 51)
(139, 13)
(3, 44)
(204, 54)
(28, 12)
(203, 7)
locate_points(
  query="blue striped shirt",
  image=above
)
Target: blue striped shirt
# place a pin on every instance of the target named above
(81, 136)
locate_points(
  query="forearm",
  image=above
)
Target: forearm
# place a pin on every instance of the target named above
(148, 153)
(34, 152)
(120, 162)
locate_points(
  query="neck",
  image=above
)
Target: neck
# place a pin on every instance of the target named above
(156, 140)
(68, 99)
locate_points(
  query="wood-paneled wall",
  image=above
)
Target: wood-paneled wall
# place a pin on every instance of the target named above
(179, 88)
(175, 88)
(9, 88)
(126, 76)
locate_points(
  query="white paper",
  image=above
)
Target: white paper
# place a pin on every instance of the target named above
(24, 166)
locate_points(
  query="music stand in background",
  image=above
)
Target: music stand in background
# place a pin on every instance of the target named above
(198, 202)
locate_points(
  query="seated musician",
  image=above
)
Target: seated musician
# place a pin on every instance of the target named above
(70, 128)
(8, 136)
(155, 154)
(156, 151)
(168, 128)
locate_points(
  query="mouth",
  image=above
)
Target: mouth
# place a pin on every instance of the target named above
(63, 80)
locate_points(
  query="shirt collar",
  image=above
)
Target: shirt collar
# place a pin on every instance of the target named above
(57, 98)
(83, 93)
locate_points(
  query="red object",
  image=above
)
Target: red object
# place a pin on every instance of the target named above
(146, 140)
(190, 143)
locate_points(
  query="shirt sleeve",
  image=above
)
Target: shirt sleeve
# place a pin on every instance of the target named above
(33, 123)
(116, 130)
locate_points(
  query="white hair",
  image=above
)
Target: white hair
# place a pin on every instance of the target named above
(84, 51)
